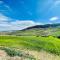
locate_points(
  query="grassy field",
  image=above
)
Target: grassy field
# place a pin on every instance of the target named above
(49, 44)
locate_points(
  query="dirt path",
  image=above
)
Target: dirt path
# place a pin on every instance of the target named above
(42, 55)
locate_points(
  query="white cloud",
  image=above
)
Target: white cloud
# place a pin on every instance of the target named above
(54, 18)
(1, 2)
(4, 7)
(57, 2)
(3, 18)
(6, 23)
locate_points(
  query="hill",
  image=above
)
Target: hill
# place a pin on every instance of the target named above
(39, 30)
(32, 43)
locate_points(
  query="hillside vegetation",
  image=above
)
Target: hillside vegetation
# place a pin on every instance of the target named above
(35, 42)
(39, 30)
(50, 44)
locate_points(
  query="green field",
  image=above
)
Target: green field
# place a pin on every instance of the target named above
(49, 44)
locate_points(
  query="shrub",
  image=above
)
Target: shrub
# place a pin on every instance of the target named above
(12, 52)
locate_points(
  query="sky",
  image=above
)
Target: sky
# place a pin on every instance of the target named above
(20, 14)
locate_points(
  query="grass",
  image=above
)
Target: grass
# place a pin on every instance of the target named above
(14, 53)
(38, 31)
(49, 44)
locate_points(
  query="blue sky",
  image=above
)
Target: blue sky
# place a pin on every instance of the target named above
(19, 14)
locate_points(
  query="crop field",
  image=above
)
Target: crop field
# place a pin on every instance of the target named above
(49, 44)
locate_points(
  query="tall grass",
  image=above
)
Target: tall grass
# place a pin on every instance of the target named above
(50, 44)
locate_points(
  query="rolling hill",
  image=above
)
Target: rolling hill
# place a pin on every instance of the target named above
(36, 41)
(39, 30)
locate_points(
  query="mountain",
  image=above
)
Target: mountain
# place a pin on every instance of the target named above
(39, 30)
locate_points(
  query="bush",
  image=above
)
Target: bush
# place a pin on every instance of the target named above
(12, 53)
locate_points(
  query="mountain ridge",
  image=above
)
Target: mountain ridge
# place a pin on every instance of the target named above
(43, 26)
(39, 30)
